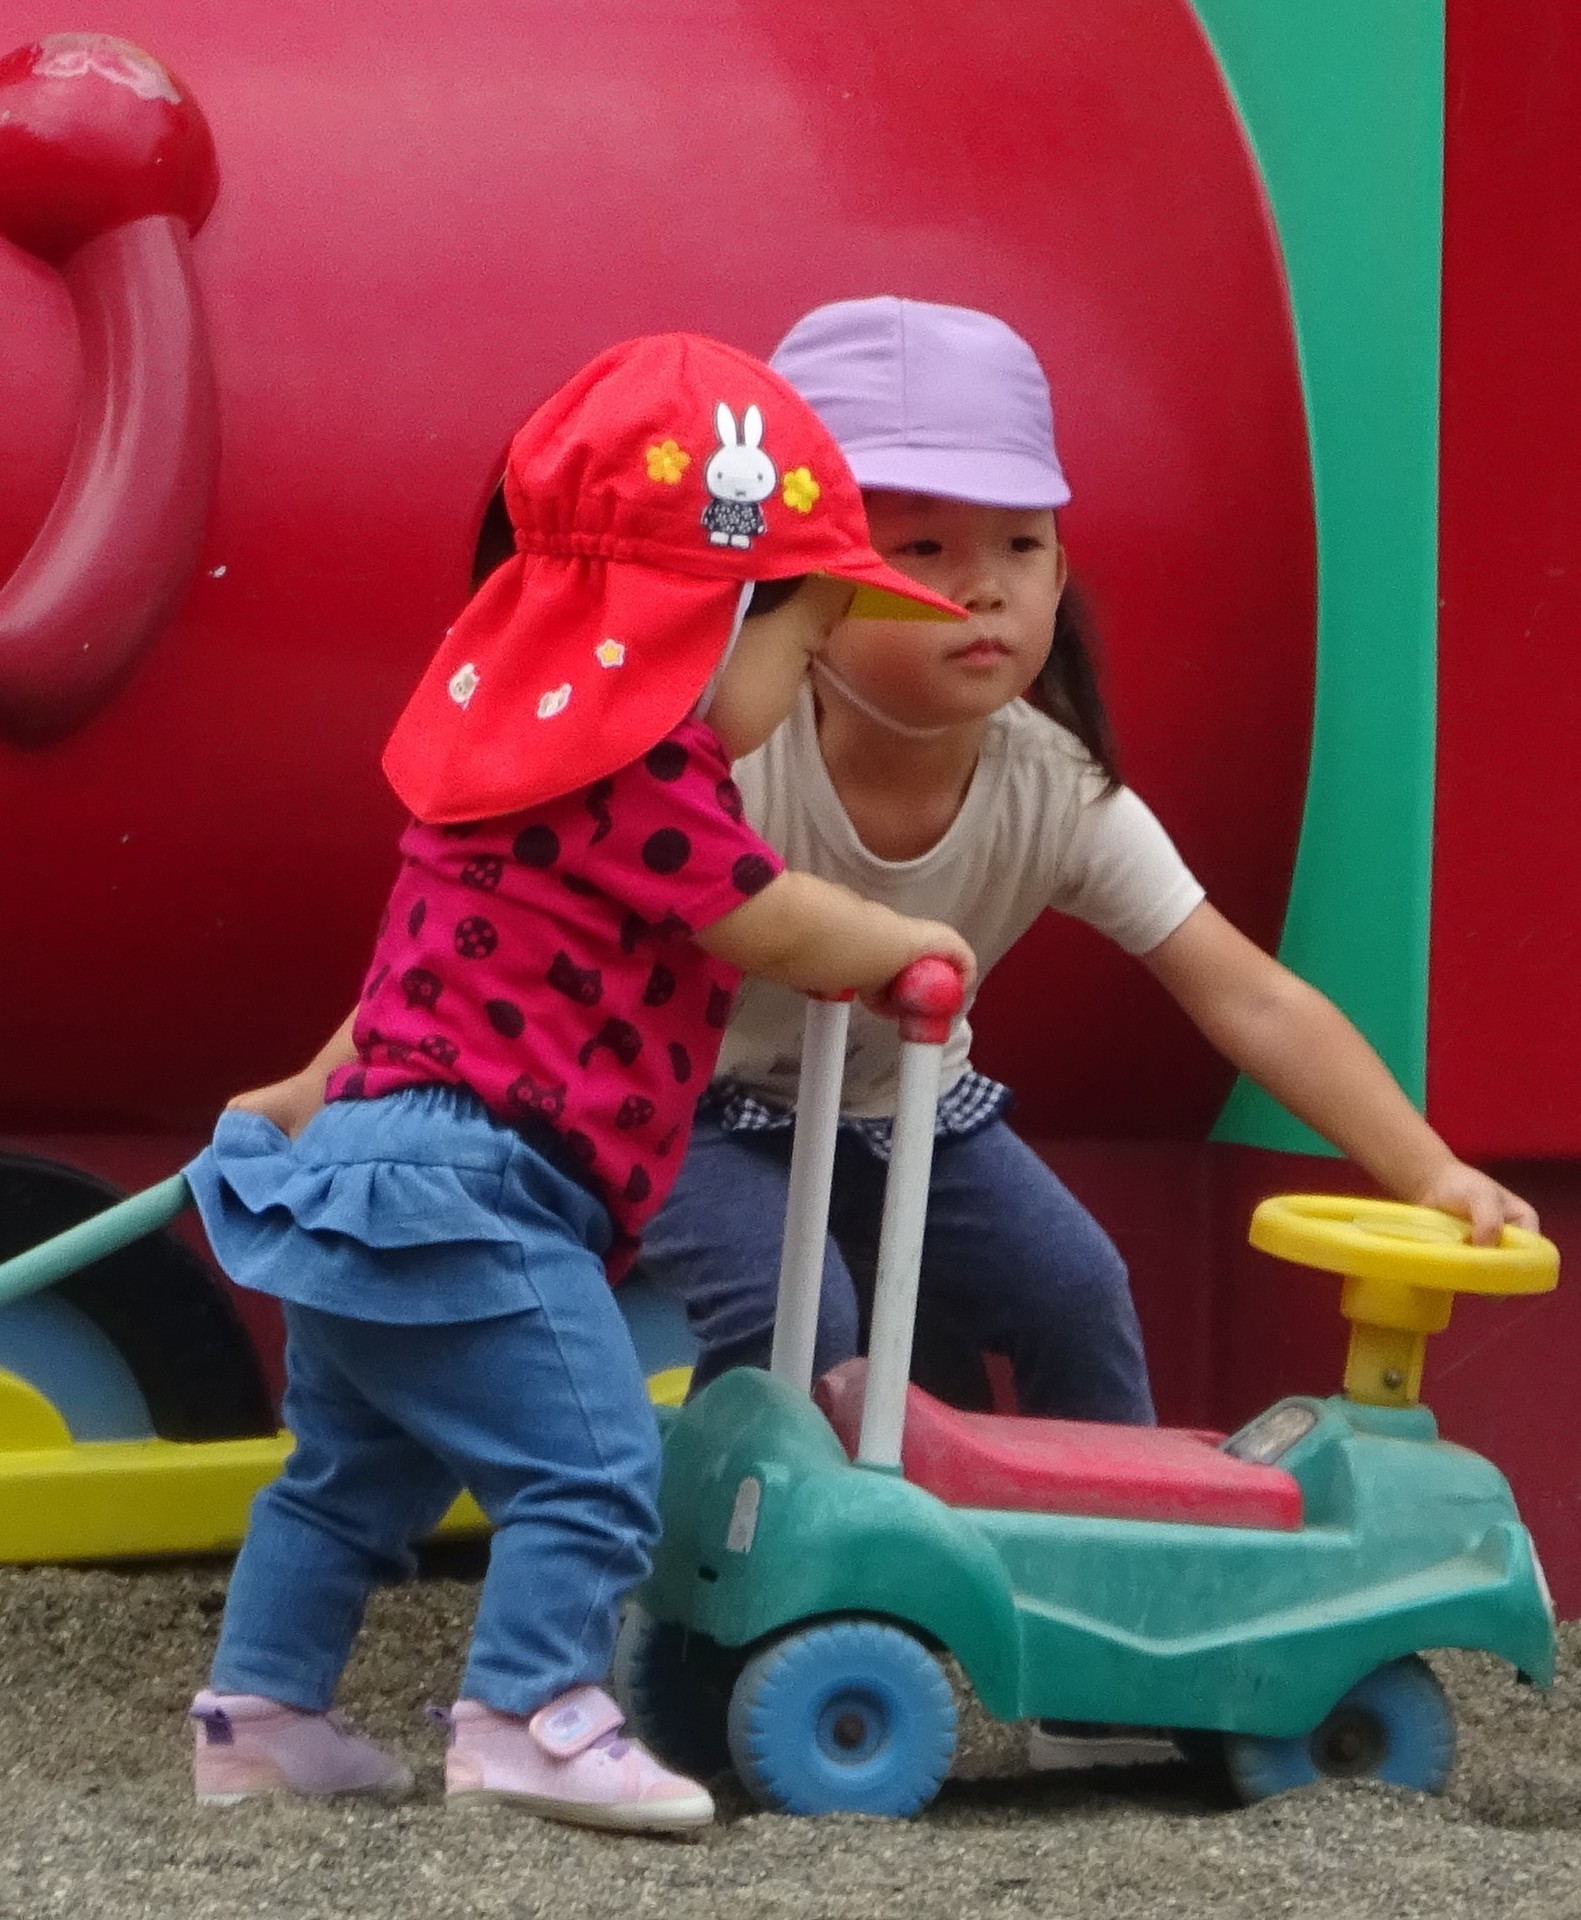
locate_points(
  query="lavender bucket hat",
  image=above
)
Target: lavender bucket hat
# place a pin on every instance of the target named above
(929, 399)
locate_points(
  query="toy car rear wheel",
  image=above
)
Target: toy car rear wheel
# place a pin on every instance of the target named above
(675, 1687)
(854, 1716)
(1395, 1725)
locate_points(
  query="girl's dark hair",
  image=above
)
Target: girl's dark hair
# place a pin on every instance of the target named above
(496, 538)
(1066, 688)
(769, 594)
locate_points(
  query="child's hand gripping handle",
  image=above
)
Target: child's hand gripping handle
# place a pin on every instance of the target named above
(925, 997)
(106, 171)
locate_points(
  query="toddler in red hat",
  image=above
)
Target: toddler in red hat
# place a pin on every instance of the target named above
(578, 898)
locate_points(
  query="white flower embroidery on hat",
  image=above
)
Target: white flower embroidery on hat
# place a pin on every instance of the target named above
(610, 653)
(464, 683)
(555, 701)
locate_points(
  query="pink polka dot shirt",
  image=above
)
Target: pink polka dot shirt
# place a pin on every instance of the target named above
(543, 961)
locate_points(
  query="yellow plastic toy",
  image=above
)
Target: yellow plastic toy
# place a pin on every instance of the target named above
(65, 1499)
(1402, 1266)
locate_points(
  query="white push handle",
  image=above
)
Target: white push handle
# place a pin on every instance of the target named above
(807, 1203)
(929, 995)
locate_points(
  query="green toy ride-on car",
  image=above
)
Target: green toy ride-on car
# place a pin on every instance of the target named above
(1271, 1594)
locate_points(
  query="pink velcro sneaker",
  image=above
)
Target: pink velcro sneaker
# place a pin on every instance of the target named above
(247, 1745)
(568, 1762)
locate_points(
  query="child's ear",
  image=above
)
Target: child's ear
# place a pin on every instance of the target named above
(752, 426)
(725, 424)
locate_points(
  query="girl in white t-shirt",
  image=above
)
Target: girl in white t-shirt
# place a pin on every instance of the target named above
(968, 777)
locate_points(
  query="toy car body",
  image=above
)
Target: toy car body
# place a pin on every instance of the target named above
(1275, 1588)
(1405, 1542)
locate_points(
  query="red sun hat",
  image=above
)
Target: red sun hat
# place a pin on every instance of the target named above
(645, 493)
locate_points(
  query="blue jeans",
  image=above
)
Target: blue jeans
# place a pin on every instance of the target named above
(1012, 1264)
(542, 1415)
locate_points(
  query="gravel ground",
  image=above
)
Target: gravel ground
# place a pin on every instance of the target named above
(96, 1668)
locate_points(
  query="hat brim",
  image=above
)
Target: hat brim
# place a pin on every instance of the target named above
(884, 593)
(985, 479)
(557, 673)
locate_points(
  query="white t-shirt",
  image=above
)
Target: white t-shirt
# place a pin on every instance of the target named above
(1034, 831)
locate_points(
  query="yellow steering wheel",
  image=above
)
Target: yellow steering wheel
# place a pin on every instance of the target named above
(1402, 1265)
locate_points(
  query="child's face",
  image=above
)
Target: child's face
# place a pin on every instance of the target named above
(1003, 564)
(763, 675)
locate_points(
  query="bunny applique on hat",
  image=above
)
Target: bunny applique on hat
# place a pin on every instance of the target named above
(738, 476)
(646, 494)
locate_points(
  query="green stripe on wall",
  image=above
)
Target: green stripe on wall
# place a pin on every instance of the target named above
(1343, 103)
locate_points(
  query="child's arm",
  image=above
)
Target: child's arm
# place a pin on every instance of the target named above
(1301, 1048)
(820, 938)
(291, 1103)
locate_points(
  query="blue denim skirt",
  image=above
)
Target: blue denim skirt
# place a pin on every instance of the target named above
(414, 1209)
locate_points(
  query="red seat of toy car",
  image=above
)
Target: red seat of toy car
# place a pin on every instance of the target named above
(1004, 1463)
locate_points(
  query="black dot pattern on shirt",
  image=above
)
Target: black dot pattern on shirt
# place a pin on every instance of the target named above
(634, 928)
(597, 804)
(666, 761)
(505, 1017)
(751, 873)
(666, 851)
(527, 1095)
(536, 846)
(354, 1085)
(476, 938)
(421, 987)
(584, 985)
(619, 1036)
(376, 982)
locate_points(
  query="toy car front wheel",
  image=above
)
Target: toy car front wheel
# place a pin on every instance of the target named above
(854, 1716)
(1395, 1725)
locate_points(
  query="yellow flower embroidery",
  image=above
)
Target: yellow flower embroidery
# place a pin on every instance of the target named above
(609, 653)
(667, 462)
(800, 490)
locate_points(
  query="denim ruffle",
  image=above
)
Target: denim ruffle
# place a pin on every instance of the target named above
(418, 1208)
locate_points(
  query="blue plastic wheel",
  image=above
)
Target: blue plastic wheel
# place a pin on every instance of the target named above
(675, 1688)
(1395, 1725)
(851, 1717)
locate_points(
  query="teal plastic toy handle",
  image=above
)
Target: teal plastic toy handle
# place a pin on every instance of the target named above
(106, 1232)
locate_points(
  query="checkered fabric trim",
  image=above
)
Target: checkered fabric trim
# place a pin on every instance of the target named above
(965, 1108)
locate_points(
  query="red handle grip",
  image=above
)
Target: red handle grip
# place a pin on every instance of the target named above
(929, 994)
